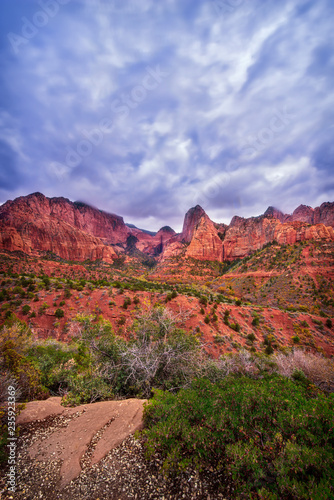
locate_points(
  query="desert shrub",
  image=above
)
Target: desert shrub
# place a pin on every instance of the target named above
(256, 321)
(26, 309)
(319, 370)
(329, 323)
(203, 301)
(126, 303)
(14, 339)
(43, 308)
(207, 320)
(59, 313)
(54, 360)
(226, 316)
(251, 337)
(87, 389)
(268, 436)
(159, 355)
(121, 321)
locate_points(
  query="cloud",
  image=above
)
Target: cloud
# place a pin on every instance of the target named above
(238, 115)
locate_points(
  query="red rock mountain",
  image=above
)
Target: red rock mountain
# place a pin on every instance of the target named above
(75, 231)
(244, 236)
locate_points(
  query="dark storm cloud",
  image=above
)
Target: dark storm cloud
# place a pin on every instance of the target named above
(147, 108)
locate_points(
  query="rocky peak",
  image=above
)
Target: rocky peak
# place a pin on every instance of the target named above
(191, 219)
(166, 229)
(236, 221)
(324, 214)
(303, 213)
(274, 212)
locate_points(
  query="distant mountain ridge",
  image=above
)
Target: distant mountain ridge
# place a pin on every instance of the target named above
(76, 231)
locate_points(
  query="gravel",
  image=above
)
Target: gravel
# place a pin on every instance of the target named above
(123, 474)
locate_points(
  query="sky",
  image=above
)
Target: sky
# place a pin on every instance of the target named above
(145, 108)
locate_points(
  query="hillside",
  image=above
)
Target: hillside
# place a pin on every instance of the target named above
(285, 292)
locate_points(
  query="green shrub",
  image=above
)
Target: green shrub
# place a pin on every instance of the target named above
(226, 316)
(207, 320)
(126, 303)
(59, 313)
(203, 301)
(26, 309)
(270, 437)
(329, 323)
(15, 363)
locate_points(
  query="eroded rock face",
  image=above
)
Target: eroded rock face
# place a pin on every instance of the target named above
(324, 214)
(153, 244)
(73, 231)
(191, 220)
(253, 233)
(274, 212)
(211, 241)
(303, 213)
(76, 231)
(205, 243)
(34, 223)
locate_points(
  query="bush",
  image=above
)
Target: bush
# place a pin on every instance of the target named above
(158, 355)
(26, 309)
(54, 361)
(268, 436)
(126, 303)
(59, 313)
(15, 363)
(226, 316)
(329, 323)
(319, 370)
(206, 320)
(256, 321)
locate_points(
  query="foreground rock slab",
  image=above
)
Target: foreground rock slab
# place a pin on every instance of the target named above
(108, 423)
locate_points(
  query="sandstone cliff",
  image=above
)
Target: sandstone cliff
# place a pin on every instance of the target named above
(77, 231)
(212, 241)
(73, 231)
